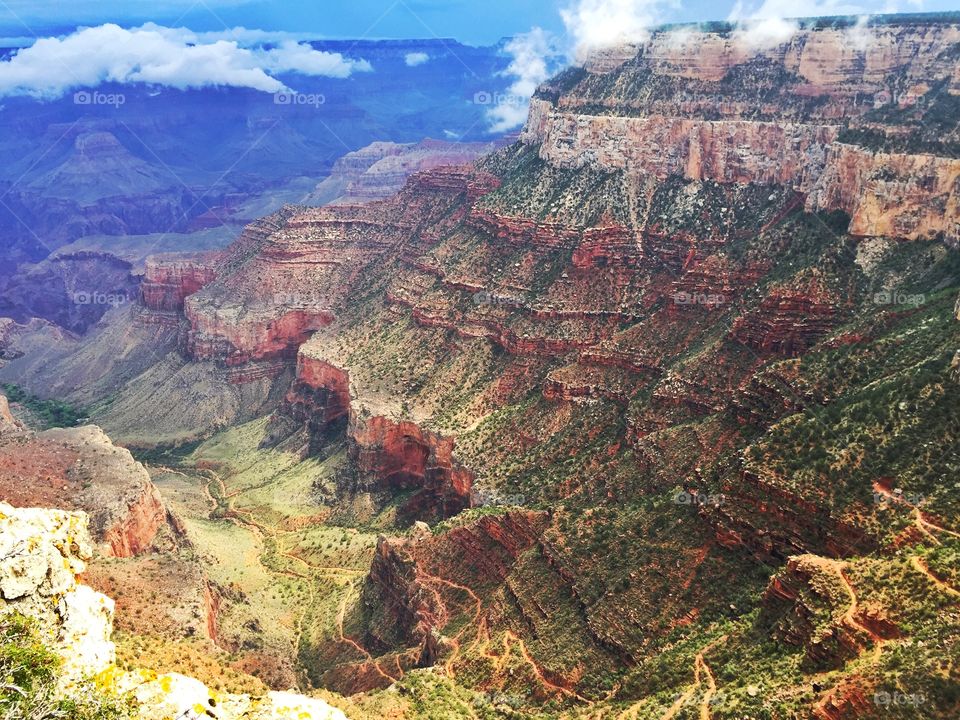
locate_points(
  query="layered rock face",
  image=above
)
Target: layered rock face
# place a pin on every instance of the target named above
(43, 552)
(727, 151)
(403, 457)
(318, 400)
(80, 469)
(168, 280)
(417, 587)
(72, 290)
(288, 273)
(897, 195)
(387, 455)
(817, 85)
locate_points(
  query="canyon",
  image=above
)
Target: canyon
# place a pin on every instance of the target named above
(652, 411)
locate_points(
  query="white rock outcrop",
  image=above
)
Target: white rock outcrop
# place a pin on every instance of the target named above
(41, 554)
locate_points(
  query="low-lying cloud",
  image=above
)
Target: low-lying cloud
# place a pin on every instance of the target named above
(170, 57)
(416, 58)
(591, 25)
(597, 24)
(773, 22)
(530, 66)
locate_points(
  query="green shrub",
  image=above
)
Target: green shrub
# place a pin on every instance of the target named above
(28, 681)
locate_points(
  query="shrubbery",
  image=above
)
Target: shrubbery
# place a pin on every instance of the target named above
(28, 681)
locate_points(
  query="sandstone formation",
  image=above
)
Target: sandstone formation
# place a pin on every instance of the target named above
(73, 290)
(401, 456)
(791, 138)
(169, 279)
(387, 455)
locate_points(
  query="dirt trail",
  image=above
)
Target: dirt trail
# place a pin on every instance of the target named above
(357, 646)
(482, 639)
(455, 640)
(701, 671)
(920, 565)
(850, 618)
(221, 499)
(924, 525)
(701, 674)
(510, 636)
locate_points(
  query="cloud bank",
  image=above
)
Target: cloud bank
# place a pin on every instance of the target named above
(591, 25)
(170, 57)
(773, 22)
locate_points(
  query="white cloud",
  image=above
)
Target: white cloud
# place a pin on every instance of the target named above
(773, 22)
(172, 57)
(529, 67)
(860, 36)
(291, 56)
(416, 58)
(245, 37)
(598, 24)
(591, 25)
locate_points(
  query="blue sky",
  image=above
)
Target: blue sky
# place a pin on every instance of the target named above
(472, 21)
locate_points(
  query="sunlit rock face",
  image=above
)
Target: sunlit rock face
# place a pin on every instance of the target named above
(42, 553)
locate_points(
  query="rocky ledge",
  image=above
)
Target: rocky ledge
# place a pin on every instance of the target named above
(41, 554)
(81, 469)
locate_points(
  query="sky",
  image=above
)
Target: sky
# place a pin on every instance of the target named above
(470, 21)
(71, 46)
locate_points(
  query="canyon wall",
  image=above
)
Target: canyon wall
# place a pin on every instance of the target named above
(169, 279)
(387, 455)
(698, 117)
(79, 468)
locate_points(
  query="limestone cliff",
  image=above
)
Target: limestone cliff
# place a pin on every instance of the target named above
(709, 105)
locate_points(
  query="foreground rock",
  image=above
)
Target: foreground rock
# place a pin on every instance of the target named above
(42, 553)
